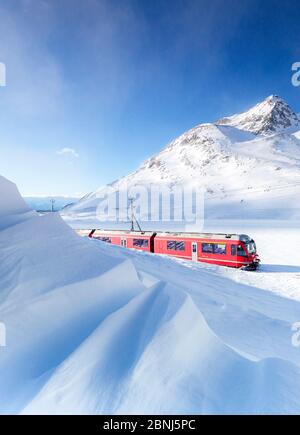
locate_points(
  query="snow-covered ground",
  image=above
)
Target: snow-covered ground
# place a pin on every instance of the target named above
(93, 328)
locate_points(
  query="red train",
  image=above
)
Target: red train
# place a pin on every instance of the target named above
(232, 250)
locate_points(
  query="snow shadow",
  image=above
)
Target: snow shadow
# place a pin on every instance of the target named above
(279, 268)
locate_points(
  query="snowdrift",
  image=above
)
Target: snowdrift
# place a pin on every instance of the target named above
(94, 329)
(13, 207)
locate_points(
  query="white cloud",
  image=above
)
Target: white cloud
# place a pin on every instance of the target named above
(69, 152)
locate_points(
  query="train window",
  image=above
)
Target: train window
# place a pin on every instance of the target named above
(233, 249)
(180, 246)
(251, 247)
(141, 243)
(214, 248)
(104, 239)
(208, 248)
(241, 252)
(172, 245)
(220, 248)
(194, 247)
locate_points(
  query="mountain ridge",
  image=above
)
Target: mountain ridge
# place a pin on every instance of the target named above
(257, 150)
(270, 116)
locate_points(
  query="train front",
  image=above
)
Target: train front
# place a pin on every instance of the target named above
(249, 246)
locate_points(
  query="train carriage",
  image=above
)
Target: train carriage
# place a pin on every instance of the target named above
(232, 250)
(141, 240)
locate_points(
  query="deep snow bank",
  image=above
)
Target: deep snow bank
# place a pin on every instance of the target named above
(11, 201)
(93, 328)
(12, 206)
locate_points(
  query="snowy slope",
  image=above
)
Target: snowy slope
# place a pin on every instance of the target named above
(93, 328)
(238, 168)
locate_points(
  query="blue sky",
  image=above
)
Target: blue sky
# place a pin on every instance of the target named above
(96, 86)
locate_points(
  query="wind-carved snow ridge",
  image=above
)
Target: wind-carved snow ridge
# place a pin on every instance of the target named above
(94, 328)
(248, 164)
(13, 207)
(11, 201)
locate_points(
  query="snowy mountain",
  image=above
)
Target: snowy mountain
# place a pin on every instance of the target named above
(97, 329)
(271, 116)
(251, 161)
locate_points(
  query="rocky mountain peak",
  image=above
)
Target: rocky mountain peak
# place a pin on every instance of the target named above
(272, 115)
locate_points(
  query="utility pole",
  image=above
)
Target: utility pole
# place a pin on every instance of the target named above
(52, 200)
(133, 218)
(132, 214)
